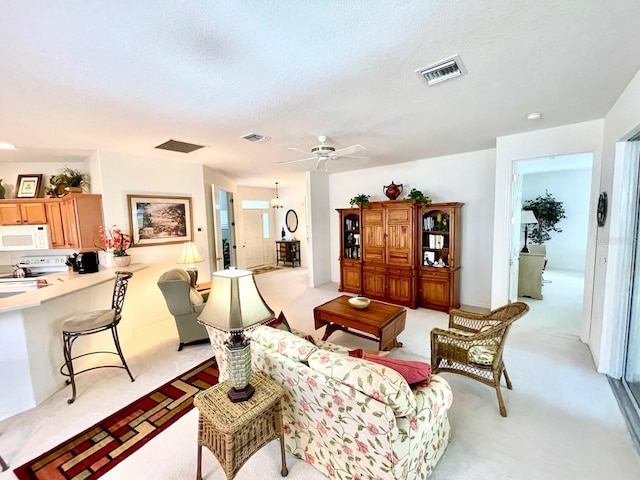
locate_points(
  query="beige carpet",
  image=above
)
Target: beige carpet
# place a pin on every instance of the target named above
(563, 420)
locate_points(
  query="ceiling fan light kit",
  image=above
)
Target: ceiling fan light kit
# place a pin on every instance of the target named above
(324, 153)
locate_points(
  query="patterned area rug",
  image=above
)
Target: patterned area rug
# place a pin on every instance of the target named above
(268, 268)
(98, 449)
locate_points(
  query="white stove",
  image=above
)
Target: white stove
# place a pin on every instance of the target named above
(33, 267)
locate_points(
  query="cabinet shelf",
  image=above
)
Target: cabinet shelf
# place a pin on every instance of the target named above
(436, 232)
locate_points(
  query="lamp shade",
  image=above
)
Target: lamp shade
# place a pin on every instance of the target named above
(190, 254)
(234, 302)
(528, 217)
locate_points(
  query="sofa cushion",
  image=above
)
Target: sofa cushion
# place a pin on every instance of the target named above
(283, 342)
(376, 381)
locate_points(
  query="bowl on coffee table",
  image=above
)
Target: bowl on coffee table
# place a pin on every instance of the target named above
(359, 302)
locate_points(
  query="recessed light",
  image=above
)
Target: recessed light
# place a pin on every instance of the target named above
(7, 146)
(534, 116)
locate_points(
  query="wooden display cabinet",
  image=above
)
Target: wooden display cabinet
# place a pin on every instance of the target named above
(440, 246)
(389, 251)
(350, 251)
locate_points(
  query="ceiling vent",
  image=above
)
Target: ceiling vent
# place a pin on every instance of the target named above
(178, 146)
(447, 69)
(254, 137)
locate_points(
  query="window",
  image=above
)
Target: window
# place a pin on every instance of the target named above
(255, 204)
(265, 226)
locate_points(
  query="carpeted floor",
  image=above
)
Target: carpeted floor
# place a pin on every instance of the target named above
(93, 452)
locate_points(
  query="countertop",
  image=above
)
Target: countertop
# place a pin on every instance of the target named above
(59, 284)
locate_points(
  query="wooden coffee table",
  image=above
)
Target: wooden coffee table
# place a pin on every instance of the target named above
(381, 321)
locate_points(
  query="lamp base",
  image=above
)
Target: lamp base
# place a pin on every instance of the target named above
(241, 395)
(193, 274)
(524, 250)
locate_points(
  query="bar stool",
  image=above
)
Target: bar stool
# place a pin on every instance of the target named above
(82, 324)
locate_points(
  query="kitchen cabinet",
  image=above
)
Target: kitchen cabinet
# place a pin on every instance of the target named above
(81, 221)
(56, 228)
(389, 265)
(350, 261)
(23, 213)
(440, 246)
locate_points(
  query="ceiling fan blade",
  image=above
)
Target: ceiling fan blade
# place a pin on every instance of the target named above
(298, 150)
(354, 156)
(295, 161)
(349, 150)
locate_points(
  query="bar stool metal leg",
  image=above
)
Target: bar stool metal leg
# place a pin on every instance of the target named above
(3, 464)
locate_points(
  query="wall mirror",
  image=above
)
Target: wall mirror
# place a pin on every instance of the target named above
(292, 221)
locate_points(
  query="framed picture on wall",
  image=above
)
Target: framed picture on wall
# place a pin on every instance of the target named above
(159, 220)
(28, 185)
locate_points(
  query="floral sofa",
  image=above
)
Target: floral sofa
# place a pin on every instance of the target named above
(348, 417)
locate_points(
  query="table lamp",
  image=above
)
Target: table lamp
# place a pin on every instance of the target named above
(191, 255)
(234, 305)
(526, 219)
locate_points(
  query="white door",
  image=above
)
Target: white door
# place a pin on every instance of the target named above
(253, 238)
(516, 206)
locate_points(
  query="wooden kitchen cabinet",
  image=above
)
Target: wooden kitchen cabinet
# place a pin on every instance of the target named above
(56, 228)
(350, 261)
(440, 246)
(389, 254)
(23, 213)
(81, 221)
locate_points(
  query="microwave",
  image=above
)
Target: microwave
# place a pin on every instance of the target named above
(24, 237)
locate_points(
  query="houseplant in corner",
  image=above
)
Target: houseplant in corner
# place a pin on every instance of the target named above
(117, 242)
(548, 211)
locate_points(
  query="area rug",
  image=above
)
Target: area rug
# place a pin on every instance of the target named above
(98, 449)
(268, 268)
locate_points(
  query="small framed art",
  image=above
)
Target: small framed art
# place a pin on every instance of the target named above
(28, 186)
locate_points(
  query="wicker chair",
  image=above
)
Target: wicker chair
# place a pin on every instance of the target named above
(473, 345)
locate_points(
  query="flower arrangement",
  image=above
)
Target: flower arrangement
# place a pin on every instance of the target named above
(115, 240)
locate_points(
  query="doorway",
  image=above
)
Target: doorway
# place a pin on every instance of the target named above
(224, 221)
(258, 244)
(549, 276)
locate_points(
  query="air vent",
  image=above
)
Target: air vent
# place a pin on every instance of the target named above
(178, 146)
(255, 138)
(444, 70)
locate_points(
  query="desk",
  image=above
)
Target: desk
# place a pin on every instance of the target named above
(203, 287)
(235, 431)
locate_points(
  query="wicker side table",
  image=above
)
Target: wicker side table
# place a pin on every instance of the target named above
(235, 431)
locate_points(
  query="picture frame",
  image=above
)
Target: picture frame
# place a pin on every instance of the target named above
(159, 219)
(28, 185)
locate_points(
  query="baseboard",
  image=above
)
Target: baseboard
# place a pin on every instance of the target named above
(628, 408)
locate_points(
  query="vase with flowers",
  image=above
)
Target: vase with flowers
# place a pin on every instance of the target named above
(117, 242)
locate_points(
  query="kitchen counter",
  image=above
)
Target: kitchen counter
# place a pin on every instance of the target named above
(60, 284)
(31, 339)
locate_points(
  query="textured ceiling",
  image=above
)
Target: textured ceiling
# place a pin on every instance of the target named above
(126, 76)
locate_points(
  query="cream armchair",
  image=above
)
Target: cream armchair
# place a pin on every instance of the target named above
(185, 304)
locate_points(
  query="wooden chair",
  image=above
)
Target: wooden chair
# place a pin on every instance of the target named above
(473, 345)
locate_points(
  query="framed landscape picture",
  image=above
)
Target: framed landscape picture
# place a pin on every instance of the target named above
(159, 220)
(28, 186)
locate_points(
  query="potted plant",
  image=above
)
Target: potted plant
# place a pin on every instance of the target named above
(361, 200)
(67, 180)
(548, 211)
(116, 242)
(416, 194)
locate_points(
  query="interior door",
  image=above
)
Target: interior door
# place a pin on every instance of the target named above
(253, 238)
(516, 207)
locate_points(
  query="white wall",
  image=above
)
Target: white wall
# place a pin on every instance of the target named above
(319, 221)
(565, 250)
(467, 178)
(568, 139)
(608, 329)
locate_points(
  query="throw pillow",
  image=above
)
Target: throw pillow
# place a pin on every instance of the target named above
(280, 323)
(413, 372)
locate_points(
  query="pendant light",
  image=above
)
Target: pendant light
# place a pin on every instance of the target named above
(277, 201)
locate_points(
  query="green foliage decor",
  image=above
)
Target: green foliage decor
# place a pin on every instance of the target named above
(362, 200)
(548, 211)
(66, 178)
(416, 194)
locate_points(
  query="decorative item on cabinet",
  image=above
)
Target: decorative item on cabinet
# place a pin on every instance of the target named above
(67, 180)
(2, 189)
(417, 195)
(392, 191)
(361, 200)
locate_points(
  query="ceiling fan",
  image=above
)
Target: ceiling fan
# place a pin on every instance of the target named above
(324, 153)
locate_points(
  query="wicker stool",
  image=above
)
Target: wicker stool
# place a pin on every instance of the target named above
(235, 431)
